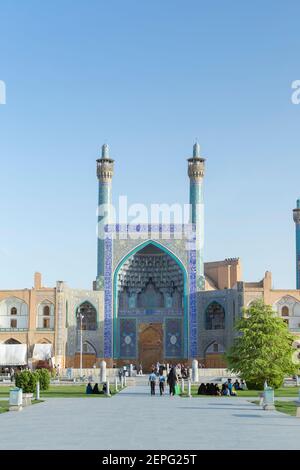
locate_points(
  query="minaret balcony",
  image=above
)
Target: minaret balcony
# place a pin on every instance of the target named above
(296, 216)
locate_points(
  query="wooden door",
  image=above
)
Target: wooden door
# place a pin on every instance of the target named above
(150, 345)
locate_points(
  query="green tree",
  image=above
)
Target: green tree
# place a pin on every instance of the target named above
(43, 376)
(263, 348)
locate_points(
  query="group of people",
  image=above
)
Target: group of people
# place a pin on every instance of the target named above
(182, 370)
(228, 388)
(159, 377)
(10, 371)
(95, 389)
(56, 368)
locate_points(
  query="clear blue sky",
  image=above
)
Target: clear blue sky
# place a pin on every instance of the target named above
(147, 77)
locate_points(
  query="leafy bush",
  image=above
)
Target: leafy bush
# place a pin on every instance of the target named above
(26, 380)
(43, 376)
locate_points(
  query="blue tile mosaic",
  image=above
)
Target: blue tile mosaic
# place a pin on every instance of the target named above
(128, 337)
(173, 338)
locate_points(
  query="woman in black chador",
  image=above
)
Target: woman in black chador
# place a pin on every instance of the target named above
(172, 380)
(96, 389)
(202, 389)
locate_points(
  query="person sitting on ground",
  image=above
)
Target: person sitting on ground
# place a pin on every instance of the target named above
(243, 385)
(231, 388)
(89, 389)
(207, 389)
(225, 391)
(104, 388)
(237, 385)
(229, 385)
(96, 389)
(217, 390)
(202, 389)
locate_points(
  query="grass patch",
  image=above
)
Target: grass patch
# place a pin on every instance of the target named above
(4, 390)
(63, 391)
(287, 392)
(280, 392)
(287, 407)
(72, 391)
(4, 405)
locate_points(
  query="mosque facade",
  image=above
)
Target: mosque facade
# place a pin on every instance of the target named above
(154, 298)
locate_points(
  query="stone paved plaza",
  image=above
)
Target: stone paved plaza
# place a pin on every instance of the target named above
(135, 420)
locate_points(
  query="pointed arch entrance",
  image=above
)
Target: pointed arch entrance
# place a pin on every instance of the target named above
(150, 305)
(150, 345)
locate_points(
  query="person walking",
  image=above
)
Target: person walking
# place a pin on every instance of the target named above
(172, 381)
(152, 380)
(162, 380)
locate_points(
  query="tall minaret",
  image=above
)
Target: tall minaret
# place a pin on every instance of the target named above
(196, 167)
(105, 171)
(296, 215)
